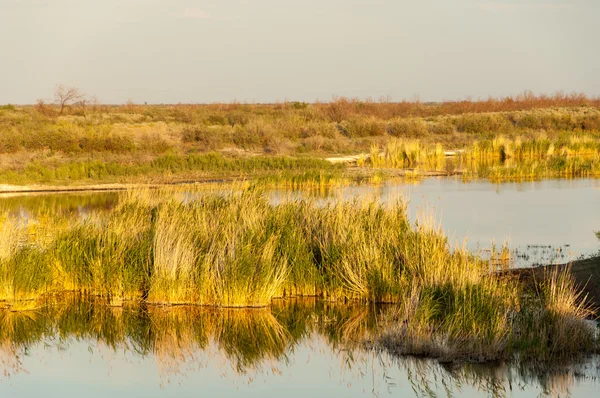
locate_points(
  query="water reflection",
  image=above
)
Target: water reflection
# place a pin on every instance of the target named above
(242, 346)
(27, 205)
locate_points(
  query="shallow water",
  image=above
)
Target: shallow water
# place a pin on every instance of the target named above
(82, 203)
(87, 348)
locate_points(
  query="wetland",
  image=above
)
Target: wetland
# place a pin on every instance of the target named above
(347, 248)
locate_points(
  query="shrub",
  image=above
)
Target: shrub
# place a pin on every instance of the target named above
(214, 119)
(481, 124)
(8, 107)
(237, 118)
(362, 128)
(407, 128)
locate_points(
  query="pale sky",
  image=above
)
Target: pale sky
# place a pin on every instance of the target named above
(198, 51)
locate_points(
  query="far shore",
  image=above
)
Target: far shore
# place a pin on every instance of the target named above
(95, 186)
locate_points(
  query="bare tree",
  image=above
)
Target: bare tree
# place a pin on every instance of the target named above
(65, 96)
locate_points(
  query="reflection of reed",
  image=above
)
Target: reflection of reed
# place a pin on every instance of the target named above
(249, 338)
(18, 330)
(184, 338)
(175, 335)
(428, 377)
(245, 338)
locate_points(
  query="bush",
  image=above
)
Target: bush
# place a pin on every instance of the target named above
(237, 118)
(591, 123)
(410, 128)
(8, 107)
(362, 128)
(9, 141)
(481, 124)
(441, 128)
(213, 119)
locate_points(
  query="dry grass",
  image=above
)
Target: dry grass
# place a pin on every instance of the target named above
(110, 143)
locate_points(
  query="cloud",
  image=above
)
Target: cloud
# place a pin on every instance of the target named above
(198, 14)
(511, 7)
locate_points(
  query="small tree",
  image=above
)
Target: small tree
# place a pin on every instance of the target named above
(42, 108)
(65, 96)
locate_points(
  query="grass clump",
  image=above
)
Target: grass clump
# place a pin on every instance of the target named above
(499, 159)
(236, 249)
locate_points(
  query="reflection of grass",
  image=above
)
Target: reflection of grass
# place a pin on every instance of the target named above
(175, 336)
(246, 338)
(182, 338)
(250, 339)
(62, 204)
(428, 378)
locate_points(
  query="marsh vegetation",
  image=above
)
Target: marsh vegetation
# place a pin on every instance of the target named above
(236, 249)
(171, 271)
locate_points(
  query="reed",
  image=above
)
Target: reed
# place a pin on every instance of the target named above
(236, 249)
(499, 159)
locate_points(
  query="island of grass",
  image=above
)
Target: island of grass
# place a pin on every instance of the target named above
(236, 249)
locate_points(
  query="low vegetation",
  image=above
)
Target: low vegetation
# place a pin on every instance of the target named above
(238, 250)
(81, 142)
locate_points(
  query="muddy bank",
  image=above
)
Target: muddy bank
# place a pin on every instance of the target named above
(586, 273)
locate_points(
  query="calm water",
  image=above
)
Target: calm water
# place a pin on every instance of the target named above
(543, 221)
(82, 348)
(294, 349)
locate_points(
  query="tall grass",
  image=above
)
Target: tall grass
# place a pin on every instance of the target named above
(501, 158)
(169, 167)
(235, 249)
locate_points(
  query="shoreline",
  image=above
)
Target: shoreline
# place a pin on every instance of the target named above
(585, 271)
(351, 173)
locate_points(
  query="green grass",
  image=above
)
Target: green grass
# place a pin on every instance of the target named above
(164, 167)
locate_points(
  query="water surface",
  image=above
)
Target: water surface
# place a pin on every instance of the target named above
(84, 347)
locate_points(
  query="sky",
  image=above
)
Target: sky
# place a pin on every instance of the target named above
(204, 51)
